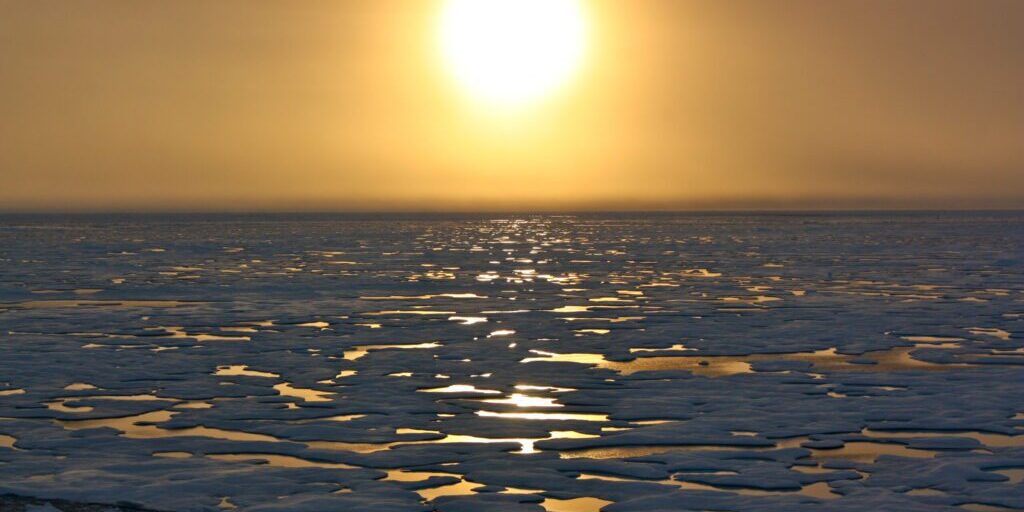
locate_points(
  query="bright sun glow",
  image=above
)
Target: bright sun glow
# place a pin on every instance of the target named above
(510, 52)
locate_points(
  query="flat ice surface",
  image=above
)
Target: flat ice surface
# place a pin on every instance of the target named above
(513, 362)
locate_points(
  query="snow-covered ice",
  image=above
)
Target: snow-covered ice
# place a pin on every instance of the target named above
(513, 362)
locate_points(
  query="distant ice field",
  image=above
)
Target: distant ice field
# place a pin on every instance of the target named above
(567, 363)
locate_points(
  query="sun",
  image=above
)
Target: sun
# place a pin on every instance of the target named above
(512, 52)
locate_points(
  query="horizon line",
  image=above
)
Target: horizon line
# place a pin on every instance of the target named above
(523, 211)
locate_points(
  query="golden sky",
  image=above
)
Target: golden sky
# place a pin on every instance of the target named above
(675, 104)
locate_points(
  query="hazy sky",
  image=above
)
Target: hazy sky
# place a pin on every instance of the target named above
(332, 105)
